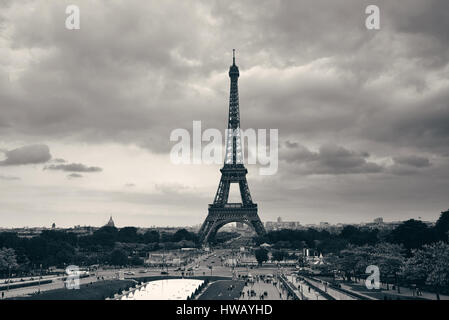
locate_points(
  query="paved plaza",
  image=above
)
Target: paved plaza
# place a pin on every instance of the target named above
(263, 290)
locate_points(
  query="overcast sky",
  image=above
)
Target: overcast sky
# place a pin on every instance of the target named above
(86, 115)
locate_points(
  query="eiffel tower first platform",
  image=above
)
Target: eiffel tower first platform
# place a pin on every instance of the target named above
(221, 212)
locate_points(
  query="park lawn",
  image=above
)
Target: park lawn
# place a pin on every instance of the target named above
(219, 290)
(96, 291)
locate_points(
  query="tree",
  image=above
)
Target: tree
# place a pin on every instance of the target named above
(118, 257)
(332, 245)
(136, 261)
(390, 259)
(183, 234)
(358, 236)
(7, 260)
(128, 234)
(261, 255)
(442, 226)
(429, 265)
(151, 236)
(105, 236)
(412, 234)
(352, 261)
(279, 255)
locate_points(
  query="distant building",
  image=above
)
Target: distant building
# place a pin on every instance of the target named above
(82, 231)
(379, 220)
(279, 224)
(239, 225)
(110, 223)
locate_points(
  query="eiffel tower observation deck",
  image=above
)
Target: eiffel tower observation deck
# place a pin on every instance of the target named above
(220, 211)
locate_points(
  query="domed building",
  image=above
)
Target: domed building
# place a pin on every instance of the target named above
(110, 223)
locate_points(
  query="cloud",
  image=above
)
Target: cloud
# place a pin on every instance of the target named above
(412, 160)
(73, 167)
(378, 86)
(385, 92)
(9, 178)
(32, 154)
(74, 175)
(171, 188)
(329, 159)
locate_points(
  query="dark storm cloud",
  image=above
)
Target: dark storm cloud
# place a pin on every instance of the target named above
(430, 19)
(414, 161)
(33, 154)
(73, 167)
(138, 69)
(329, 159)
(136, 80)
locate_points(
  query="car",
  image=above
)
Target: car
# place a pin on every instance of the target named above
(164, 272)
(129, 273)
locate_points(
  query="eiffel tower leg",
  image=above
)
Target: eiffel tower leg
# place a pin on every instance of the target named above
(258, 226)
(244, 192)
(222, 192)
(205, 230)
(209, 231)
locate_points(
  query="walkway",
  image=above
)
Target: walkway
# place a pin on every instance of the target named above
(308, 293)
(274, 292)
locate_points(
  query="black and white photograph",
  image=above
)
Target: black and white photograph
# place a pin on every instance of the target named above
(262, 153)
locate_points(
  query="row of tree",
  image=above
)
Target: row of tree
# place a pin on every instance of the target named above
(411, 234)
(107, 245)
(424, 267)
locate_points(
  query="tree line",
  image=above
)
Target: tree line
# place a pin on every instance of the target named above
(411, 234)
(412, 254)
(107, 245)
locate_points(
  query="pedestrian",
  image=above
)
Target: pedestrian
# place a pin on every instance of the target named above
(3, 295)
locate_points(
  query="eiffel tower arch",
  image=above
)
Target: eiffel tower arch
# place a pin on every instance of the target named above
(220, 211)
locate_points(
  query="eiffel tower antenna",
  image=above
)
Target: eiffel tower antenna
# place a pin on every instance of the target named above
(221, 212)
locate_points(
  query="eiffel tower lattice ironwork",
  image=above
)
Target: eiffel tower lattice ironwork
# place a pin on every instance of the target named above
(221, 212)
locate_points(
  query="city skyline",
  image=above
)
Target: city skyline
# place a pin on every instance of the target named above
(86, 115)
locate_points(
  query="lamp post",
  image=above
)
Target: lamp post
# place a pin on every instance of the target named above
(9, 276)
(40, 276)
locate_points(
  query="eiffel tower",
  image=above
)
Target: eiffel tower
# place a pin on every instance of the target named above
(221, 212)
